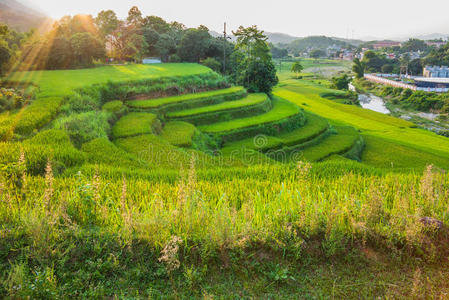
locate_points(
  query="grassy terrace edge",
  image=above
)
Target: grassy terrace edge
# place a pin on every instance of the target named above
(282, 109)
(250, 100)
(162, 102)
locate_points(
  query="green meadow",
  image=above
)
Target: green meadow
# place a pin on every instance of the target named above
(164, 181)
(62, 82)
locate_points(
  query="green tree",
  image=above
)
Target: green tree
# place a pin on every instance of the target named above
(341, 82)
(134, 17)
(5, 51)
(260, 76)
(156, 23)
(317, 53)
(86, 48)
(106, 22)
(254, 65)
(194, 45)
(387, 69)
(5, 55)
(297, 68)
(166, 46)
(60, 54)
(212, 63)
(413, 45)
(252, 42)
(358, 68)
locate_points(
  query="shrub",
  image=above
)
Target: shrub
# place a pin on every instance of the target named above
(406, 94)
(79, 103)
(85, 127)
(387, 91)
(40, 149)
(212, 63)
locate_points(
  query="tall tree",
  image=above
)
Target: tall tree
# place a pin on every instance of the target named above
(358, 68)
(106, 22)
(297, 68)
(134, 17)
(255, 69)
(194, 45)
(86, 48)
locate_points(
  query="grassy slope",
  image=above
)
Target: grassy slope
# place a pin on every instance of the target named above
(306, 95)
(250, 100)
(155, 103)
(134, 124)
(281, 109)
(62, 82)
(314, 126)
(178, 133)
(335, 144)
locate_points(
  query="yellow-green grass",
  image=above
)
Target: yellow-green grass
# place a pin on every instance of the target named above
(29, 118)
(178, 133)
(281, 110)
(160, 102)
(160, 154)
(53, 145)
(102, 151)
(63, 82)
(386, 153)
(307, 96)
(113, 106)
(250, 100)
(339, 143)
(134, 124)
(272, 219)
(314, 126)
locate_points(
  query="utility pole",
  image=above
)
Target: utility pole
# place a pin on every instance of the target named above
(225, 39)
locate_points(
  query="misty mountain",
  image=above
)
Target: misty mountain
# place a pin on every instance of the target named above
(273, 37)
(316, 42)
(20, 16)
(280, 38)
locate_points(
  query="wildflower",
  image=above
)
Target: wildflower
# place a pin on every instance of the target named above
(170, 254)
(48, 194)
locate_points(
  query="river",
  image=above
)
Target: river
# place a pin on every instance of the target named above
(373, 102)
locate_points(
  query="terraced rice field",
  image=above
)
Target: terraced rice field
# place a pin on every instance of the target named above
(214, 96)
(179, 133)
(134, 124)
(403, 145)
(250, 100)
(281, 110)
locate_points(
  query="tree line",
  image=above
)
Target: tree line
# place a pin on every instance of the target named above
(83, 40)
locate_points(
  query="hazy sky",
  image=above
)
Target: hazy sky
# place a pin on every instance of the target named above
(344, 18)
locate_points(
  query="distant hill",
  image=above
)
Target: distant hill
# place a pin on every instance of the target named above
(316, 42)
(19, 16)
(280, 38)
(275, 38)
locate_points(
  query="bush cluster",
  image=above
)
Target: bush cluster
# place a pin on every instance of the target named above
(86, 126)
(419, 100)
